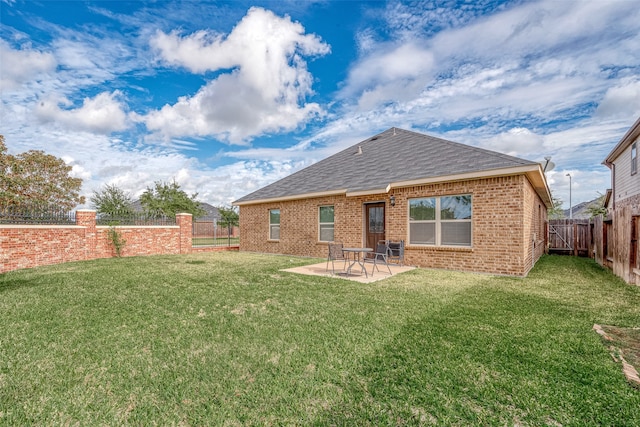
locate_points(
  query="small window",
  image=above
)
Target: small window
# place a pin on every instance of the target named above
(634, 158)
(274, 224)
(325, 227)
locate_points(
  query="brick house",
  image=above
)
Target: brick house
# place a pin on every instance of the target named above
(456, 207)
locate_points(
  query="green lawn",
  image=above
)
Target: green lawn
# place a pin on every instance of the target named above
(215, 241)
(229, 339)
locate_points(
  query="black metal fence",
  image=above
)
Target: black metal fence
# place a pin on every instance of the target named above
(35, 214)
(135, 218)
(52, 215)
(210, 233)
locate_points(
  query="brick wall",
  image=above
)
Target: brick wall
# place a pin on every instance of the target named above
(26, 246)
(505, 216)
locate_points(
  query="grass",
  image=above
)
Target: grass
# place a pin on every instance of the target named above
(215, 241)
(229, 339)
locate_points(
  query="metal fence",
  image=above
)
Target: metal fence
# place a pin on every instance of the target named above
(210, 233)
(49, 215)
(135, 218)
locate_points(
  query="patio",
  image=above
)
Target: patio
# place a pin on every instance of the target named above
(320, 269)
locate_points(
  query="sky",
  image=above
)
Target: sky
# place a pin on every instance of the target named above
(227, 97)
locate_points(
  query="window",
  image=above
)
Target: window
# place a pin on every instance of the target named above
(634, 158)
(440, 221)
(274, 224)
(325, 220)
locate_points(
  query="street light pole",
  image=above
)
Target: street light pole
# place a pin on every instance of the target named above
(570, 205)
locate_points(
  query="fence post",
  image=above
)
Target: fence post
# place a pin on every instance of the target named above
(87, 218)
(185, 222)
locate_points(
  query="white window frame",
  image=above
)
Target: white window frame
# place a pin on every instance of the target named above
(438, 222)
(325, 224)
(273, 226)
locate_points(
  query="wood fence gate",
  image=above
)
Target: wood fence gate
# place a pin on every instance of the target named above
(570, 237)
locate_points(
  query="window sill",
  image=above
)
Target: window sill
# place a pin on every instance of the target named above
(442, 248)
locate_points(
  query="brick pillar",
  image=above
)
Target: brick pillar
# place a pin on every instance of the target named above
(185, 222)
(87, 218)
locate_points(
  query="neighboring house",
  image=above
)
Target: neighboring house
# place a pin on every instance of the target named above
(456, 207)
(623, 162)
(212, 213)
(616, 245)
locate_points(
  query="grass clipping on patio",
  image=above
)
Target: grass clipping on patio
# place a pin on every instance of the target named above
(624, 344)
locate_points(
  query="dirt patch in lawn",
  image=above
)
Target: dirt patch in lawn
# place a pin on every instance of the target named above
(624, 344)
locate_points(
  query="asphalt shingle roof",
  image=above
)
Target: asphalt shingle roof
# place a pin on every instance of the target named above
(392, 156)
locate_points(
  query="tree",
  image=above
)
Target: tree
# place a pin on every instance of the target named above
(36, 178)
(228, 218)
(168, 199)
(597, 207)
(556, 211)
(112, 200)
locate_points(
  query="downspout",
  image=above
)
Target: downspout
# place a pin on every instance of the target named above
(613, 185)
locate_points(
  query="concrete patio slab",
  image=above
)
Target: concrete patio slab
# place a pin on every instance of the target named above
(320, 269)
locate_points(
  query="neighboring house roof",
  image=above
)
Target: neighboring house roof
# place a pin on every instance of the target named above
(627, 139)
(212, 211)
(396, 158)
(583, 210)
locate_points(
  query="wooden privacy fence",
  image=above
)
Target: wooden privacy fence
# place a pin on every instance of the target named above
(571, 237)
(615, 243)
(612, 240)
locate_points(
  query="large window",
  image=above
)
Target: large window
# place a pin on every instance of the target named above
(440, 221)
(325, 228)
(634, 157)
(274, 224)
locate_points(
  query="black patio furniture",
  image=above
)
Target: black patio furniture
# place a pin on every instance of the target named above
(380, 256)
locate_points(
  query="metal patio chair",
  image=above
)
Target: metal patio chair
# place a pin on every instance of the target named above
(380, 256)
(396, 252)
(336, 254)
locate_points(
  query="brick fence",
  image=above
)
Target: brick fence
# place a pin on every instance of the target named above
(27, 246)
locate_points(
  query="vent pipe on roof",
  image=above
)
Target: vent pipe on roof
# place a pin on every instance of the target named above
(359, 150)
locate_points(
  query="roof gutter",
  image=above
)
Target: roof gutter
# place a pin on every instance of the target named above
(628, 137)
(534, 174)
(292, 197)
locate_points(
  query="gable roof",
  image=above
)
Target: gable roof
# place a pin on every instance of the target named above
(627, 139)
(396, 158)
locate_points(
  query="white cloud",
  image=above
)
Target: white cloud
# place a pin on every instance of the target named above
(103, 113)
(395, 73)
(532, 60)
(20, 66)
(262, 86)
(519, 142)
(621, 101)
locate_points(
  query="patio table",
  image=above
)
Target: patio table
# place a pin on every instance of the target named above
(353, 255)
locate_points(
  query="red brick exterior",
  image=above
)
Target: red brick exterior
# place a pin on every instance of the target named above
(26, 246)
(508, 223)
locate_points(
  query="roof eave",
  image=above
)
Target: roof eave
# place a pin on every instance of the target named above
(533, 172)
(628, 138)
(292, 197)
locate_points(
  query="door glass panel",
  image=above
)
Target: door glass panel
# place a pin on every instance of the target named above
(376, 220)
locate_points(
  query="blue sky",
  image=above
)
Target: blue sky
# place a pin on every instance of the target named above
(227, 97)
